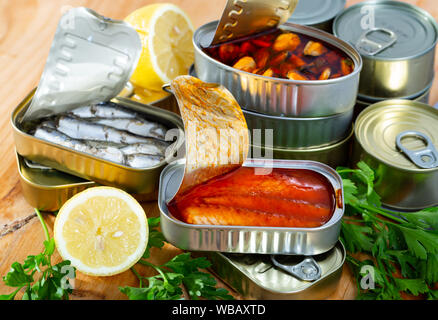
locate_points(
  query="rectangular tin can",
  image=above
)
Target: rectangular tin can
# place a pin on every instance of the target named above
(241, 239)
(254, 276)
(89, 167)
(48, 189)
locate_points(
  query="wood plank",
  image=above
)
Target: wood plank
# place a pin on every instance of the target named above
(26, 31)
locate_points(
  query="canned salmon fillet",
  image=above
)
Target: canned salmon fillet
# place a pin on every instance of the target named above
(283, 198)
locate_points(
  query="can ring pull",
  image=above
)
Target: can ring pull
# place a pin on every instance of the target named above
(426, 158)
(166, 87)
(307, 270)
(371, 47)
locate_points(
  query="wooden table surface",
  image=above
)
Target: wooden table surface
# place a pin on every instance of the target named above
(26, 31)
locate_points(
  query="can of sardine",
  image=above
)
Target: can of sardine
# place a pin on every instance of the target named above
(397, 43)
(45, 188)
(319, 14)
(79, 160)
(399, 140)
(252, 239)
(265, 277)
(334, 155)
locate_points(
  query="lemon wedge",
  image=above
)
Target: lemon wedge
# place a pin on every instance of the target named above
(167, 50)
(103, 231)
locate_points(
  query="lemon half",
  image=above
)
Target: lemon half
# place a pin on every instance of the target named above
(103, 231)
(167, 51)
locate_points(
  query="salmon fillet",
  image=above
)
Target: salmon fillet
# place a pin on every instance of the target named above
(283, 198)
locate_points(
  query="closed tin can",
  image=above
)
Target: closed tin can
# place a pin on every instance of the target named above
(319, 14)
(281, 97)
(239, 239)
(255, 276)
(291, 132)
(361, 105)
(45, 188)
(399, 140)
(333, 155)
(397, 42)
(86, 166)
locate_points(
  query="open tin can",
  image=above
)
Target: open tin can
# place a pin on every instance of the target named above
(282, 97)
(256, 277)
(319, 14)
(89, 167)
(239, 239)
(397, 42)
(399, 140)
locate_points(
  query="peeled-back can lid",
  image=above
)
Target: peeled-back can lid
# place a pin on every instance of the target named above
(387, 29)
(312, 12)
(388, 130)
(90, 60)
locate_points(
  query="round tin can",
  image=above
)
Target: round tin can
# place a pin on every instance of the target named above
(362, 104)
(319, 14)
(334, 155)
(399, 140)
(397, 42)
(281, 97)
(288, 132)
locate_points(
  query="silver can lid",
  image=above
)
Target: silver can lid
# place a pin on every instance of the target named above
(90, 60)
(313, 12)
(387, 29)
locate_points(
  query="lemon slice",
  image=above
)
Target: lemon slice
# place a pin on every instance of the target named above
(167, 50)
(103, 231)
(148, 96)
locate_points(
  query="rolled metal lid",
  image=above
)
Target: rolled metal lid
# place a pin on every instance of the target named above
(387, 29)
(399, 132)
(90, 60)
(312, 12)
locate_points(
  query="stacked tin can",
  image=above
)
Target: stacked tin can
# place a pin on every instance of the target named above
(397, 43)
(309, 120)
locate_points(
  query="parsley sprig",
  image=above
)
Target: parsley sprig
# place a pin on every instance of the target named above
(403, 247)
(53, 282)
(182, 270)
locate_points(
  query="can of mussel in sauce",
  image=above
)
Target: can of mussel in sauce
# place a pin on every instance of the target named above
(265, 277)
(397, 43)
(319, 14)
(334, 155)
(399, 140)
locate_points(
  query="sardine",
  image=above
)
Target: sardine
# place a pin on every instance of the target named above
(153, 147)
(141, 127)
(103, 110)
(143, 160)
(84, 130)
(104, 152)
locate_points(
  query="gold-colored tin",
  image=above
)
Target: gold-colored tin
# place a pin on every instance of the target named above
(89, 167)
(48, 189)
(400, 182)
(334, 155)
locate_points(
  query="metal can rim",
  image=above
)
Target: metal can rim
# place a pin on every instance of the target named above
(321, 19)
(346, 48)
(429, 17)
(383, 104)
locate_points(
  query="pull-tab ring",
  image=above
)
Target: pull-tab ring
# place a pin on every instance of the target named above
(370, 47)
(307, 270)
(426, 158)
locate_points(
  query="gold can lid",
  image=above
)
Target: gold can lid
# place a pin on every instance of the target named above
(414, 124)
